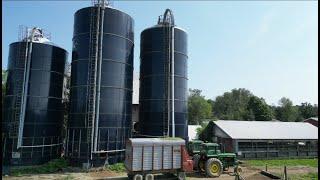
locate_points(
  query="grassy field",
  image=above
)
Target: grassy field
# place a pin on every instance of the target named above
(311, 176)
(298, 169)
(55, 166)
(284, 162)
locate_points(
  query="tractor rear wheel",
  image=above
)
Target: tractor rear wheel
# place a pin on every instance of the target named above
(213, 167)
(196, 159)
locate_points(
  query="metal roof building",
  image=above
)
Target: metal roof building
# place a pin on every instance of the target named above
(267, 130)
(264, 139)
(135, 101)
(192, 131)
(136, 84)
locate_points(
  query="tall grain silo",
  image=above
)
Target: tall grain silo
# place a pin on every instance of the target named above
(101, 85)
(32, 109)
(163, 99)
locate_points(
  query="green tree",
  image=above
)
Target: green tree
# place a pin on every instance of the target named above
(3, 92)
(4, 76)
(198, 108)
(315, 110)
(201, 128)
(307, 110)
(286, 111)
(259, 110)
(211, 102)
(66, 97)
(4, 82)
(232, 105)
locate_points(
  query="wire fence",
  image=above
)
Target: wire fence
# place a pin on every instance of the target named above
(283, 172)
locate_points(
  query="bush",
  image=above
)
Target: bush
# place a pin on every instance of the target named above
(118, 167)
(50, 167)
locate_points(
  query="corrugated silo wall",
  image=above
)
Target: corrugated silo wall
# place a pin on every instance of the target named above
(44, 110)
(153, 81)
(116, 86)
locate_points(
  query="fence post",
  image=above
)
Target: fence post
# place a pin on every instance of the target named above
(266, 167)
(285, 173)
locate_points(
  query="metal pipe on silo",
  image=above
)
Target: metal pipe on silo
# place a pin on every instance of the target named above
(99, 78)
(172, 80)
(25, 89)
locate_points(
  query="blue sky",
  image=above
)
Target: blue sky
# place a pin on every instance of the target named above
(269, 48)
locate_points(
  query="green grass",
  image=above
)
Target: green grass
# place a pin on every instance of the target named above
(301, 176)
(50, 167)
(309, 176)
(283, 162)
(118, 167)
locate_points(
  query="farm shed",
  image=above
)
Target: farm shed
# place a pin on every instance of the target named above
(263, 139)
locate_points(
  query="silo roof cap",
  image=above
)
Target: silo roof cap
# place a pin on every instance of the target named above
(36, 35)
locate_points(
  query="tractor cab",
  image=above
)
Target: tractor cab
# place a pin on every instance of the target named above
(194, 147)
(210, 149)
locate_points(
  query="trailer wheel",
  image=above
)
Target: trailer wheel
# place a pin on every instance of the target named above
(196, 159)
(213, 167)
(149, 177)
(130, 176)
(138, 177)
(181, 175)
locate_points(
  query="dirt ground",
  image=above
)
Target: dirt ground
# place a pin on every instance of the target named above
(248, 174)
(293, 170)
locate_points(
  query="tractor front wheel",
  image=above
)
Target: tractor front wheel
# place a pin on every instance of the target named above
(237, 170)
(213, 167)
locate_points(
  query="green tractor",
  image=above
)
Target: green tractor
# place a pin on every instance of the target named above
(194, 147)
(213, 162)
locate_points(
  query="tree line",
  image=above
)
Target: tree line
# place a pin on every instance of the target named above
(241, 104)
(4, 81)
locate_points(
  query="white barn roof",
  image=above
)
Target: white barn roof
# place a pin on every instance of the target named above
(192, 131)
(267, 129)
